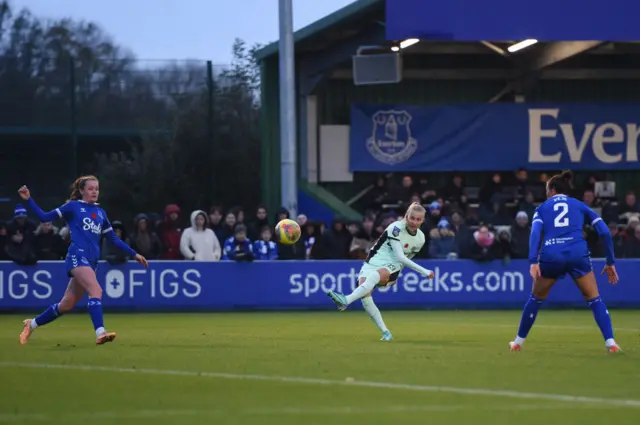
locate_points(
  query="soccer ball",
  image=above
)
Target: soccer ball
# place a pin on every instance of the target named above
(287, 232)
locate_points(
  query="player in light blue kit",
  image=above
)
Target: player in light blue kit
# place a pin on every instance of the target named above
(87, 223)
(393, 250)
(561, 218)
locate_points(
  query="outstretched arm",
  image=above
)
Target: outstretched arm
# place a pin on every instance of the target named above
(118, 243)
(398, 251)
(45, 216)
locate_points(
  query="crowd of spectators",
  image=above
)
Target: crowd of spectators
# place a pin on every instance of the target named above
(486, 223)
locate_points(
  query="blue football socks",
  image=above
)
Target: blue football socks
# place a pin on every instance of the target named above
(529, 315)
(95, 311)
(601, 314)
(47, 316)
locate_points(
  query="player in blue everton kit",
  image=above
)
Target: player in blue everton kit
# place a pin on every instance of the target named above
(564, 251)
(87, 223)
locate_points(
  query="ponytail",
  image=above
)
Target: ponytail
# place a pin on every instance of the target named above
(561, 183)
(78, 186)
(415, 207)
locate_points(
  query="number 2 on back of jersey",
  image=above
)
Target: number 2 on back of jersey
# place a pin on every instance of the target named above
(561, 220)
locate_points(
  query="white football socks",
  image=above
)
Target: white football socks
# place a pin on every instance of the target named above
(33, 324)
(363, 290)
(373, 312)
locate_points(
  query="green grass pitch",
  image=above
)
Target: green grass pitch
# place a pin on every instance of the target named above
(321, 368)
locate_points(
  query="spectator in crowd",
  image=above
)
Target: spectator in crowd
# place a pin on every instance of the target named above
(433, 217)
(302, 220)
(491, 192)
(629, 207)
(238, 212)
(215, 222)
(527, 205)
(455, 190)
(144, 240)
(442, 242)
(632, 223)
(461, 230)
(170, 233)
(402, 193)
(48, 245)
(632, 245)
(378, 194)
(428, 192)
(198, 242)
(522, 184)
(520, 236)
(155, 222)
(19, 248)
(259, 222)
(4, 241)
(309, 238)
(229, 226)
(484, 246)
(264, 248)
(238, 247)
(498, 214)
(589, 198)
(504, 245)
(22, 225)
(337, 240)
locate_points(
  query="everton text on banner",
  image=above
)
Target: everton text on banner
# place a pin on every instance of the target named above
(264, 285)
(493, 137)
(496, 20)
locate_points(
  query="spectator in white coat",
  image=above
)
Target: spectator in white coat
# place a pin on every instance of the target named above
(198, 242)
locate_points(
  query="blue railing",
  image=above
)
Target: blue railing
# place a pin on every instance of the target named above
(301, 285)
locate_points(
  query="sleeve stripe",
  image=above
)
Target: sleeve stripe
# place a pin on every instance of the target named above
(107, 230)
(393, 239)
(537, 220)
(596, 220)
(59, 212)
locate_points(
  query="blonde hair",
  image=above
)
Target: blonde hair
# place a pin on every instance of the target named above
(78, 186)
(415, 207)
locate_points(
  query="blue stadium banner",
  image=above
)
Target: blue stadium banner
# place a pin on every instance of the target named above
(494, 137)
(299, 285)
(498, 20)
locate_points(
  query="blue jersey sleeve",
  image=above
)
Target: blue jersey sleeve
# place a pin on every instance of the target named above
(108, 233)
(64, 211)
(534, 237)
(603, 231)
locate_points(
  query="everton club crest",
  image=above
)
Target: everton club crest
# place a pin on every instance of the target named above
(391, 141)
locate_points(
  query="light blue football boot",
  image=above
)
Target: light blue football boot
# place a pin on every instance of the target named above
(386, 336)
(339, 299)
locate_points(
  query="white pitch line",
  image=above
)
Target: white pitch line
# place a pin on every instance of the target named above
(364, 384)
(339, 410)
(515, 326)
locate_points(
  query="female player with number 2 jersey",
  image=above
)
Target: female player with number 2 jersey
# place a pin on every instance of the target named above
(87, 223)
(392, 251)
(564, 251)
